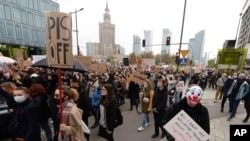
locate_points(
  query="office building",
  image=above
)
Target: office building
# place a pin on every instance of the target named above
(196, 48)
(137, 44)
(22, 24)
(148, 36)
(164, 48)
(243, 40)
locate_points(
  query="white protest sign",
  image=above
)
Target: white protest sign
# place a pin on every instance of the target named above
(183, 128)
(59, 39)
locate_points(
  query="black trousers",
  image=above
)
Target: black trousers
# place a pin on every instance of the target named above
(103, 133)
(158, 121)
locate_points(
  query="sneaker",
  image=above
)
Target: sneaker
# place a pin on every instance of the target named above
(147, 124)
(140, 129)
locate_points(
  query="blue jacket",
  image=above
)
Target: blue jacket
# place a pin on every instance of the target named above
(96, 98)
(243, 91)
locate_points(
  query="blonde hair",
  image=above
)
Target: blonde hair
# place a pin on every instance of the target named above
(8, 86)
(74, 94)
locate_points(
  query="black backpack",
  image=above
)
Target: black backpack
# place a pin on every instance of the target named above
(119, 117)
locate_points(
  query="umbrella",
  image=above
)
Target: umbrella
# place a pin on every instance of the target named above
(4, 67)
(76, 65)
(7, 59)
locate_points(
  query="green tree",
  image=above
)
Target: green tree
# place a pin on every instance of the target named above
(211, 63)
(132, 58)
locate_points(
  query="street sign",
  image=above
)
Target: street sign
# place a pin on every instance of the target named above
(183, 61)
(184, 53)
(59, 39)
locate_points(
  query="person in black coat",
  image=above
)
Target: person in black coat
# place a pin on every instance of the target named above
(247, 104)
(133, 94)
(159, 105)
(192, 106)
(25, 124)
(39, 96)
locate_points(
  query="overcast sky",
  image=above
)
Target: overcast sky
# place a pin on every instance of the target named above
(219, 19)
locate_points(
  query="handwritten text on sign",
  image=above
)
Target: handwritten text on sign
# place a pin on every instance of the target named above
(59, 39)
(183, 128)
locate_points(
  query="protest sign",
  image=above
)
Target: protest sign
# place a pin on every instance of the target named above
(59, 39)
(183, 128)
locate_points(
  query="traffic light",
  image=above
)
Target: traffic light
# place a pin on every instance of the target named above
(177, 58)
(168, 41)
(143, 43)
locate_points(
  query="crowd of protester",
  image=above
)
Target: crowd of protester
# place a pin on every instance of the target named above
(33, 99)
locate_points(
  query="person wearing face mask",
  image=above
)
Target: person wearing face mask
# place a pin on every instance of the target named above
(220, 87)
(227, 85)
(70, 128)
(192, 106)
(146, 103)
(159, 105)
(238, 90)
(108, 108)
(25, 124)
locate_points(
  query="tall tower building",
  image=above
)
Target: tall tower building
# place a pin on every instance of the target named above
(244, 34)
(197, 49)
(107, 44)
(164, 48)
(148, 36)
(136, 44)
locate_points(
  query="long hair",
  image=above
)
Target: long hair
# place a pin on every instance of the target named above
(72, 93)
(105, 100)
(149, 85)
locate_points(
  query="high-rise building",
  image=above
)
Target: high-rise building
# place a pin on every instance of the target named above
(107, 44)
(164, 48)
(137, 44)
(22, 23)
(92, 48)
(148, 36)
(197, 47)
(244, 34)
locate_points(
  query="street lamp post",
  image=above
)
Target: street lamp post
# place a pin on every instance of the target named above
(77, 43)
(184, 11)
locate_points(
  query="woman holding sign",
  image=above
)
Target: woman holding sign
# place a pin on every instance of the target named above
(192, 106)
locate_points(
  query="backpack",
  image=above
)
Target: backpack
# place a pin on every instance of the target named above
(119, 117)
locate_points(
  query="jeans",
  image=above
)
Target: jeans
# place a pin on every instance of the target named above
(45, 126)
(177, 96)
(234, 105)
(170, 99)
(145, 119)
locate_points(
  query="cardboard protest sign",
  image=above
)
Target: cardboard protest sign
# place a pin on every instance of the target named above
(138, 78)
(86, 61)
(59, 39)
(19, 58)
(183, 128)
(102, 68)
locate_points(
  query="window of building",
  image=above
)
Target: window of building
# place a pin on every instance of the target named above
(1, 11)
(42, 6)
(7, 12)
(23, 3)
(31, 20)
(54, 8)
(31, 4)
(35, 5)
(10, 30)
(42, 21)
(16, 14)
(48, 6)
(24, 17)
(38, 21)
(39, 37)
(34, 36)
(14, 1)
(2, 29)
(26, 33)
(18, 32)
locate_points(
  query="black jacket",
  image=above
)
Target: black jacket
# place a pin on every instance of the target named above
(199, 114)
(26, 122)
(160, 99)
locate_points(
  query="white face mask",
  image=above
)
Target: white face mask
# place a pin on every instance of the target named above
(19, 99)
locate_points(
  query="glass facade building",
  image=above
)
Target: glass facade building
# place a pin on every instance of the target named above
(22, 22)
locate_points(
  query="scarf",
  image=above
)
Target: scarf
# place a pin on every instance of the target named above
(67, 106)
